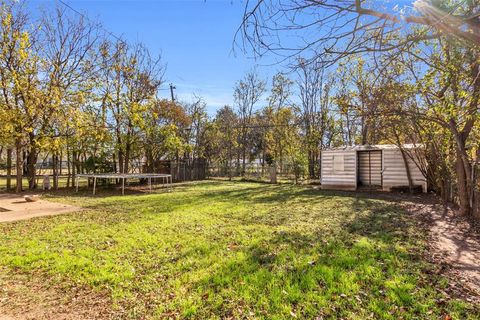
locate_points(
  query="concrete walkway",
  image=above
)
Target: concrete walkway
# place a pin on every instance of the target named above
(13, 207)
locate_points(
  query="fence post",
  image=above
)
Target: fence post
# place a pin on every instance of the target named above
(273, 174)
(172, 171)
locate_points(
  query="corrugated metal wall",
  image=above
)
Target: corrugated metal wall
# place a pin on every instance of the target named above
(394, 172)
(341, 168)
(344, 175)
(370, 168)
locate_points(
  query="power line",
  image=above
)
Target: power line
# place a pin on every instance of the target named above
(111, 34)
(88, 19)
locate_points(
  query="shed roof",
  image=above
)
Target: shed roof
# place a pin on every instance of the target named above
(376, 147)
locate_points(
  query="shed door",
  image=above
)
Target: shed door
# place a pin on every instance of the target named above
(370, 168)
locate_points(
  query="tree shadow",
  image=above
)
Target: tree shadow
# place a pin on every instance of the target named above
(310, 276)
(274, 197)
(372, 263)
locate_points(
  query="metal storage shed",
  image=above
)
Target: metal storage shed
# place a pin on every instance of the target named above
(371, 166)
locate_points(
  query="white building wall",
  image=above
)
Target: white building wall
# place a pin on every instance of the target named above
(338, 174)
(395, 174)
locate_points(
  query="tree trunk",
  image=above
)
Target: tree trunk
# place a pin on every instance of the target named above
(463, 199)
(24, 163)
(126, 160)
(55, 171)
(244, 154)
(60, 163)
(405, 160)
(74, 165)
(280, 162)
(444, 190)
(120, 161)
(407, 169)
(19, 165)
(69, 168)
(263, 160)
(463, 170)
(149, 166)
(237, 166)
(229, 164)
(311, 164)
(9, 168)
(31, 163)
(31, 170)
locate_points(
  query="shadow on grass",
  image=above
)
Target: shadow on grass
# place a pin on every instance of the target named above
(187, 196)
(310, 276)
(255, 193)
(371, 266)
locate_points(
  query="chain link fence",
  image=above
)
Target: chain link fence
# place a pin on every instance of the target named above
(257, 172)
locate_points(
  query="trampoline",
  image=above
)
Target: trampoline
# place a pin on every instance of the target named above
(166, 178)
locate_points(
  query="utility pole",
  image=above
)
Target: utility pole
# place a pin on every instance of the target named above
(171, 91)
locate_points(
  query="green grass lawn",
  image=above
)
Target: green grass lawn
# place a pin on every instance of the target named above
(238, 250)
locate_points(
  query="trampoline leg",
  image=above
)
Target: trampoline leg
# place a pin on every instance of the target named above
(150, 183)
(94, 184)
(76, 184)
(123, 186)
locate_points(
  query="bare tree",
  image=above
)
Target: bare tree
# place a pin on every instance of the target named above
(314, 109)
(227, 123)
(345, 27)
(248, 92)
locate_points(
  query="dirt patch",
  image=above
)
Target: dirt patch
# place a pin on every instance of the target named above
(32, 296)
(453, 244)
(14, 207)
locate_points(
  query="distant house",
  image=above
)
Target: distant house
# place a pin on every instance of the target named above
(370, 166)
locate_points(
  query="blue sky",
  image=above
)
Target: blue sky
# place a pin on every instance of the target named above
(195, 39)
